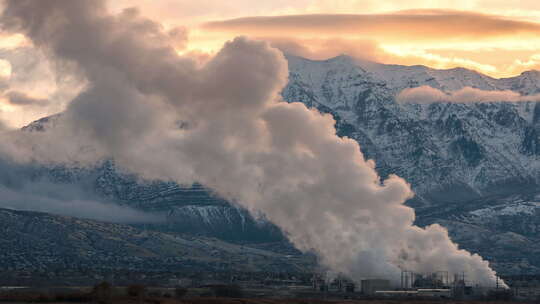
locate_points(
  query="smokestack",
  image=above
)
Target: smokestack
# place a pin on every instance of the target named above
(274, 158)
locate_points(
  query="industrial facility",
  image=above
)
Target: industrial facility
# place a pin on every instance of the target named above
(441, 284)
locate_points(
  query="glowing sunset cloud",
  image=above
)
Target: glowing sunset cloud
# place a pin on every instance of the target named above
(499, 38)
(423, 26)
(496, 37)
(405, 37)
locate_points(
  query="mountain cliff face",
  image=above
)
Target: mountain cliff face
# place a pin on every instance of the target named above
(475, 168)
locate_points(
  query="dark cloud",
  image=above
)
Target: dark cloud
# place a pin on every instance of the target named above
(3, 125)
(4, 84)
(179, 37)
(17, 98)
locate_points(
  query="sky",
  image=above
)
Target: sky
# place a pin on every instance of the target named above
(499, 38)
(495, 37)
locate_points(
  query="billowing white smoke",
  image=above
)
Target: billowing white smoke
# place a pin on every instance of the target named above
(237, 137)
(427, 95)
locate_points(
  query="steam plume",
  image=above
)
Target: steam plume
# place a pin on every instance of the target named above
(237, 137)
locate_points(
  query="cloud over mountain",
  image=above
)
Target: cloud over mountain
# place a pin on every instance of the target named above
(420, 25)
(427, 94)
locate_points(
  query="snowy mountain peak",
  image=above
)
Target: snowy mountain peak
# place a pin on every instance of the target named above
(399, 77)
(474, 146)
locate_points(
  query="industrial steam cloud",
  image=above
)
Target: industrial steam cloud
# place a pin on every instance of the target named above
(238, 138)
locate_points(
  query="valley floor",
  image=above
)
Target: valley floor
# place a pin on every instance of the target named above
(288, 301)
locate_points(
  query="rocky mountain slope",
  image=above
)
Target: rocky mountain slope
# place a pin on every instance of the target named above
(474, 167)
(39, 242)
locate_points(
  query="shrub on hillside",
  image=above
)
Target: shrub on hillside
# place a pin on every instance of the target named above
(102, 293)
(227, 291)
(180, 292)
(137, 291)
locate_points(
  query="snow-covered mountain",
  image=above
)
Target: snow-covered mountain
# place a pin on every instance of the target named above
(445, 151)
(474, 167)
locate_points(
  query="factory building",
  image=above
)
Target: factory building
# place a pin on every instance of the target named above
(370, 287)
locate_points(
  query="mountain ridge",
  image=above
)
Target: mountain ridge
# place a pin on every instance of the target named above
(459, 158)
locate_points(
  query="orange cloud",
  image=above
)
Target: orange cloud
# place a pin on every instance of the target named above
(434, 37)
(320, 49)
(497, 37)
(404, 26)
